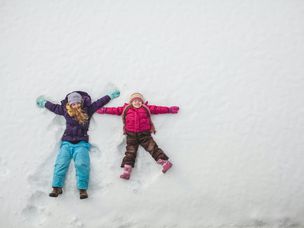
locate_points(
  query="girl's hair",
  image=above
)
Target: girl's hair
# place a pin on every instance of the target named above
(77, 113)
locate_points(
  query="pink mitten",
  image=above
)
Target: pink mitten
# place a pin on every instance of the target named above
(174, 109)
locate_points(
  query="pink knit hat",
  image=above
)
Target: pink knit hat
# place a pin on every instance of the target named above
(136, 96)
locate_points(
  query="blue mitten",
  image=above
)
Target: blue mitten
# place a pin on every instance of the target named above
(40, 101)
(115, 93)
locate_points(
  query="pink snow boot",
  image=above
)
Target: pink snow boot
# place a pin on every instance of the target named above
(126, 172)
(165, 163)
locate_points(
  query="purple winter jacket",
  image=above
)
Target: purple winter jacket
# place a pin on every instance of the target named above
(75, 131)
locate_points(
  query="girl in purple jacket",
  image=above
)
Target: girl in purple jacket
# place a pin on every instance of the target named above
(77, 109)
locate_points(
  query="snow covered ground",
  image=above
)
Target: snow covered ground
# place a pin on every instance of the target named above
(234, 67)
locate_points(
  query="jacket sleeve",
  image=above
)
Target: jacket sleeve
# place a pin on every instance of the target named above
(98, 104)
(55, 108)
(111, 110)
(158, 109)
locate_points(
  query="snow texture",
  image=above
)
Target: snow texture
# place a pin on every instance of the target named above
(234, 67)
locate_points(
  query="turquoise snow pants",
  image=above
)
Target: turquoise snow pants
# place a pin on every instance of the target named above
(80, 154)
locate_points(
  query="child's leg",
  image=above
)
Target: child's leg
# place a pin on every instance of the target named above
(148, 143)
(82, 164)
(131, 150)
(62, 165)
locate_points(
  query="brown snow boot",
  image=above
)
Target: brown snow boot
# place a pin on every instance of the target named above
(56, 191)
(83, 194)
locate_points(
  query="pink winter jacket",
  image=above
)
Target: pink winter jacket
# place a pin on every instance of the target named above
(137, 119)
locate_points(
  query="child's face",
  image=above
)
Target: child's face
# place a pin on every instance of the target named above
(137, 103)
(75, 105)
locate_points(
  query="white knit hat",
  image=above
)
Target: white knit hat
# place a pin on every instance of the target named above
(136, 96)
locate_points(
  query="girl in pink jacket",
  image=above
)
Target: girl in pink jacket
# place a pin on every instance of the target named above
(138, 127)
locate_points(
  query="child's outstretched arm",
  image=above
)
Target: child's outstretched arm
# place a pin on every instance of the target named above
(111, 110)
(163, 109)
(55, 108)
(103, 101)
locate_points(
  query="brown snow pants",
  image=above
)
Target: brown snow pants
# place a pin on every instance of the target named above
(147, 142)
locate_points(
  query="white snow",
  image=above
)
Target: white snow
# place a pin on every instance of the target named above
(234, 67)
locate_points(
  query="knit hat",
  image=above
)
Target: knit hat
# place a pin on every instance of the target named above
(74, 98)
(136, 96)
